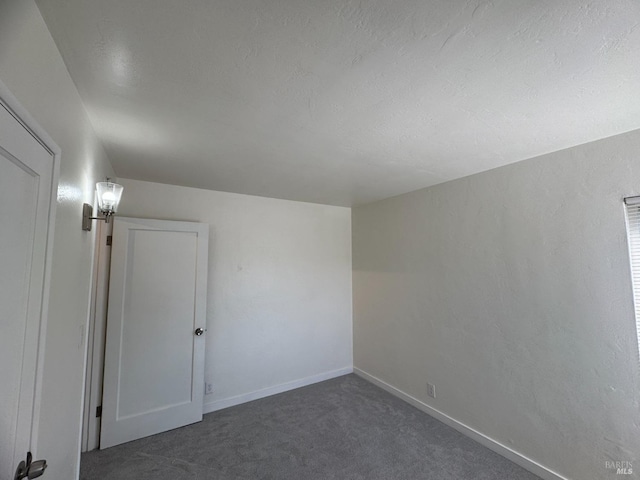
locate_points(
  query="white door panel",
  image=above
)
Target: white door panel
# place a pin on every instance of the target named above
(154, 363)
(26, 185)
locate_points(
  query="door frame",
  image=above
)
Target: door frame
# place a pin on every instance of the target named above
(96, 336)
(94, 362)
(22, 116)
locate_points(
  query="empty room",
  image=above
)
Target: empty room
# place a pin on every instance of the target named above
(298, 239)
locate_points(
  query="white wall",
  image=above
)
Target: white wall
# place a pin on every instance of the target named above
(279, 293)
(510, 291)
(31, 67)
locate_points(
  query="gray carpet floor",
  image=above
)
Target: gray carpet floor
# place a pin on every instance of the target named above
(345, 428)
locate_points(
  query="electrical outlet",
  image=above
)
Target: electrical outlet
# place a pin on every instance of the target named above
(208, 388)
(431, 390)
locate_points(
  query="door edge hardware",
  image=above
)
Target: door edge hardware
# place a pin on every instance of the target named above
(30, 469)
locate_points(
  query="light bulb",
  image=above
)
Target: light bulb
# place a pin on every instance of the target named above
(108, 199)
(109, 195)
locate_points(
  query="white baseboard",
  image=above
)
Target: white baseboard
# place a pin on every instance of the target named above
(267, 392)
(517, 458)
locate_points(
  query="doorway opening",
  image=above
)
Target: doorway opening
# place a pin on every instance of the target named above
(94, 372)
(145, 353)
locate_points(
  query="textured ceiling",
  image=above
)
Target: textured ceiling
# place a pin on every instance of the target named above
(345, 102)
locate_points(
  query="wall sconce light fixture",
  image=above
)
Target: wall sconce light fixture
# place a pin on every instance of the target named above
(109, 195)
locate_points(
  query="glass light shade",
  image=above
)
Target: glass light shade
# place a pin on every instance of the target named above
(108, 197)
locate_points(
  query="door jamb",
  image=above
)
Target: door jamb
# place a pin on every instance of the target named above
(94, 373)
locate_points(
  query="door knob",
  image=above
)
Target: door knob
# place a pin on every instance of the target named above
(198, 331)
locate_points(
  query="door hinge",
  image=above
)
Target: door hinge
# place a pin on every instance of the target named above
(99, 411)
(109, 240)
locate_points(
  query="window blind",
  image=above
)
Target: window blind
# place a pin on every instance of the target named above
(632, 206)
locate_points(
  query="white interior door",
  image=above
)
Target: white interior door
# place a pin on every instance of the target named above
(154, 360)
(27, 178)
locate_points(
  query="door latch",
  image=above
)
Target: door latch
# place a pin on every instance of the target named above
(30, 469)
